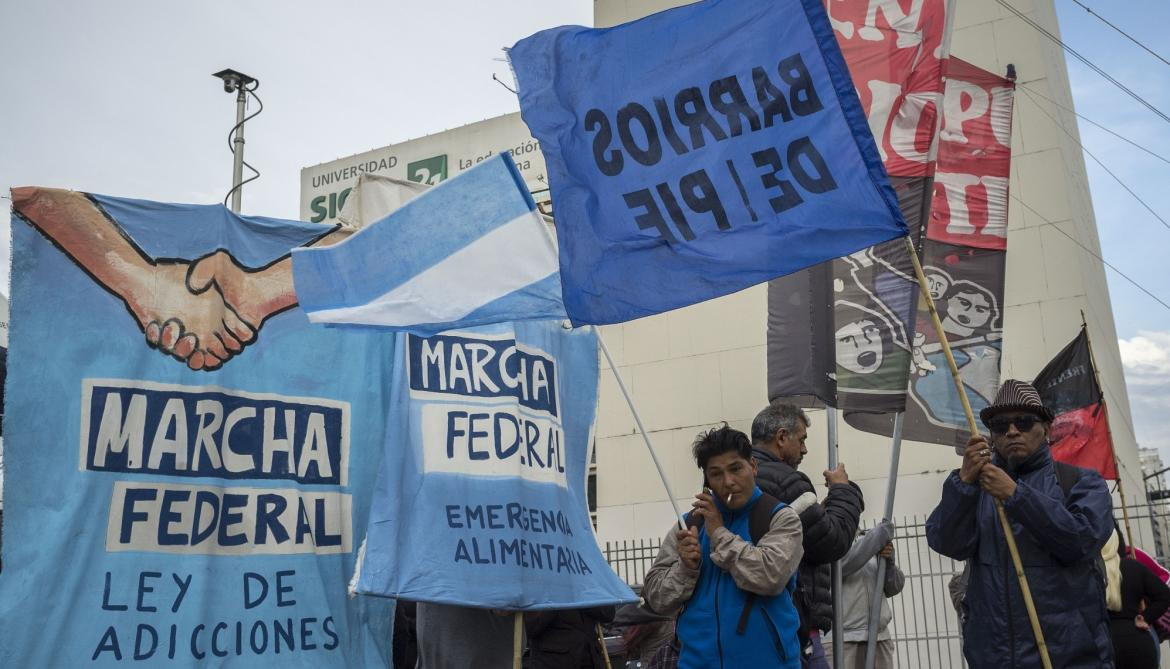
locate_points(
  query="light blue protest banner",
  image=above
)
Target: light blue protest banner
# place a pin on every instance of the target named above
(699, 151)
(188, 461)
(481, 496)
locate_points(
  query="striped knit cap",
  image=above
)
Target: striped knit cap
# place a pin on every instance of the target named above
(1016, 395)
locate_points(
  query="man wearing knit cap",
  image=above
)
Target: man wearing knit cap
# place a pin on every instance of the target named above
(1060, 515)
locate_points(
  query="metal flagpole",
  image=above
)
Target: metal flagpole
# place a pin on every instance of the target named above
(838, 647)
(974, 428)
(1109, 431)
(642, 430)
(875, 606)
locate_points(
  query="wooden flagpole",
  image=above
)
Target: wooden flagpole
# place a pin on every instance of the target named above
(1108, 431)
(1003, 519)
(604, 650)
(518, 640)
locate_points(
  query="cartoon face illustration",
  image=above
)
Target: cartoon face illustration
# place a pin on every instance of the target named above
(937, 284)
(859, 346)
(967, 310)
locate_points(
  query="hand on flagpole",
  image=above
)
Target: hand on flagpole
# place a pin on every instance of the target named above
(996, 482)
(836, 475)
(976, 456)
(688, 548)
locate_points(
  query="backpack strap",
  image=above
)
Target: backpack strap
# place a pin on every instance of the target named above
(761, 516)
(1067, 475)
(759, 522)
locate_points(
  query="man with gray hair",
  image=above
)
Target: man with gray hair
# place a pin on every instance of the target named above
(778, 445)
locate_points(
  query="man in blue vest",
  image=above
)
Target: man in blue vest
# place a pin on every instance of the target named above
(731, 572)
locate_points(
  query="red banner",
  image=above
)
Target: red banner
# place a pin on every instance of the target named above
(1081, 438)
(963, 258)
(1068, 387)
(974, 159)
(893, 48)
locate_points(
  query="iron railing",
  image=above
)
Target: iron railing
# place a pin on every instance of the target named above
(925, 625)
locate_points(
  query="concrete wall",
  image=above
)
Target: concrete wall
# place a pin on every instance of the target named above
(691, 368)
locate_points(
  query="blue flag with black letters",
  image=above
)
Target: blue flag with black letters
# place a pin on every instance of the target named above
(699, 151)
(480, 500)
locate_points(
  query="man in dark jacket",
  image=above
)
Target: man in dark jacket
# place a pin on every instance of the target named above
(778, 436)
(565, 639)
(1059, 530)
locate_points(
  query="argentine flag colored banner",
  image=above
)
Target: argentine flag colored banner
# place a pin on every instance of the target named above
(699, 151)
(480, 499)
(471, 250)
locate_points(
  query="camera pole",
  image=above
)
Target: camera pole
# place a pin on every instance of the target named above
(240, 84)
(238, 151)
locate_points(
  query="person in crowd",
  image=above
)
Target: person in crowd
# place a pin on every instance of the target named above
(779, 432)
(565, 639)
(859, 570)
(644, 632)
(957, 589)
(1144, 598)
(734, 591)
(461, 636)
(1060, 516)
(1111, 561)
(405, 645)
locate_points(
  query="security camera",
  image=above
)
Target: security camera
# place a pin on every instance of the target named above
(234, 81)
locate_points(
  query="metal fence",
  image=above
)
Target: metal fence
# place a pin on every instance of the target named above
(925, 625)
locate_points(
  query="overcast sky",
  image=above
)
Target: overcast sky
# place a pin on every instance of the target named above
(117, 98)
(1132, 238)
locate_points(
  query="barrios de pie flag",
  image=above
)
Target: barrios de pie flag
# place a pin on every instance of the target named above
(699, 151)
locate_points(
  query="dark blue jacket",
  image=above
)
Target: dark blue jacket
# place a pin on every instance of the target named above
(707, 626)
(1059, 540)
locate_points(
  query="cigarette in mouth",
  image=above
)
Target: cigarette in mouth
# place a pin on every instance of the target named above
(729, 495)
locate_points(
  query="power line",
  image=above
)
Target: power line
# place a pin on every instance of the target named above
(1127, 140)
(1098, 161)
(1127, 35)
(1091, 252)
(1088, 63)
(1106, 263)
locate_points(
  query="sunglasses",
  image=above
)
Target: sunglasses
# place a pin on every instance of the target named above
(1001, 424)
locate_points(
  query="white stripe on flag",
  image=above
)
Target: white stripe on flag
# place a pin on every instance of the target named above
(510, 257)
